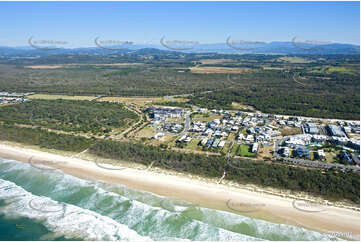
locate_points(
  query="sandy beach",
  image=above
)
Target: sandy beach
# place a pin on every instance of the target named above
(327, 219)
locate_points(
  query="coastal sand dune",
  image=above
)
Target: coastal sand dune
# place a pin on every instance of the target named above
(334, 220)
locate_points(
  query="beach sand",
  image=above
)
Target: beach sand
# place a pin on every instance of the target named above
(327, 219)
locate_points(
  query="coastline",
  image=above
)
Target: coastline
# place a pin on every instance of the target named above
(264, 206)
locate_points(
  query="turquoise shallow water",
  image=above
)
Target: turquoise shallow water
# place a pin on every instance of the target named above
(38, 204)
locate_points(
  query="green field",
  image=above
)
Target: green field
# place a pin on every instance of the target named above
(337, 69)
(234, 149)
(295, 60)
(205, 117)
(193, 145)
(244, 150)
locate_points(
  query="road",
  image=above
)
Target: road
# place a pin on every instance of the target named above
(310, 163)
(319, 164)
(298, 81)
(187, 124)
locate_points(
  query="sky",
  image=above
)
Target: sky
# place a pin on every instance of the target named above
(79, 23)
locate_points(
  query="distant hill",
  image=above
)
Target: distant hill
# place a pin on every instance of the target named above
(243, 48)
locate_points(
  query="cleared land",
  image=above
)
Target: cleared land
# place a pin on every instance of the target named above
(210, 70)
(295, 60)
(350, 70)
(72, 65)
(237, 105)
(141, 101)
(65, 97)
(205, 118)
(290, 131)
(215, 61)
(45, 66)
(145, 133)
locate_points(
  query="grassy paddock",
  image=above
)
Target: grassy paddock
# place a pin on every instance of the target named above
(141, 101)
(65, 97)
(244, 151)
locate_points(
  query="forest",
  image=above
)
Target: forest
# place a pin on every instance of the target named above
(325, 86)
(329, 184)
(67, 115)
(44, 139)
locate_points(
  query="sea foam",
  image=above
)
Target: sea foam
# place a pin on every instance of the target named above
(128, 213)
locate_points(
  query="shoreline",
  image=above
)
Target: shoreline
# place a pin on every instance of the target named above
(260, 205)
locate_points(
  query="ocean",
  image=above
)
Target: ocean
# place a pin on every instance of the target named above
(46, 204)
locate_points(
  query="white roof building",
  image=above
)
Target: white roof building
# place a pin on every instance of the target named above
(292, 141)
(188, 139)
(321, 154)
(182, 138)
(235, 128)
(254, 147)
(221, 144)
(250, 138)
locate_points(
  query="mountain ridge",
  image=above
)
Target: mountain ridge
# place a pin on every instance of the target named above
(275, 47)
